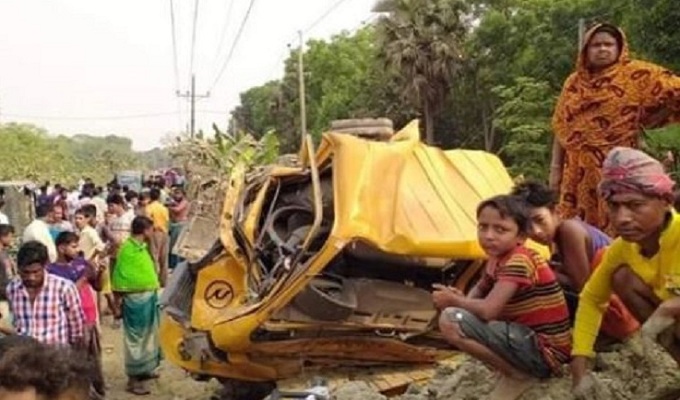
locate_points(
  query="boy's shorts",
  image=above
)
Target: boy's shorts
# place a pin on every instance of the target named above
(515, 343)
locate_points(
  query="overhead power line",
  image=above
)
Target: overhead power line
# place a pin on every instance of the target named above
(105, 117)
(225, 26)
(174, 44)
(244, 21)
(325, 15)
(173, 33)
(88, 118)
(193, 38)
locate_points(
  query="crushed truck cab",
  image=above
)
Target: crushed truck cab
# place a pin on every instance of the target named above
(330, 264)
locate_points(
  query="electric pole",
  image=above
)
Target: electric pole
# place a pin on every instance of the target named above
(301, 80)
(581, 33)
(192, 97)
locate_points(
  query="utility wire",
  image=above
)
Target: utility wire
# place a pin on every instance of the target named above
(77, 118)
(193, 38)
(173, 28)
(223, 35)
(285, 52)
(104, 117)
(325, 15)
(244, 21)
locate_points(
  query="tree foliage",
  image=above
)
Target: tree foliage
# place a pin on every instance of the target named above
(30, 153)
(422, 41)
(212, 159)
(494, 66)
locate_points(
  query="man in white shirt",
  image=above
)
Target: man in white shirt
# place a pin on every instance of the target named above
(39, 231)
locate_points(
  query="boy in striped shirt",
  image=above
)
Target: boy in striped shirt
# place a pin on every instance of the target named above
(515, 319)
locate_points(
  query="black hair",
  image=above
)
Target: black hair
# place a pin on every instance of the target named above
(9, 342)
(125, 188)
(50, 370)
(43, 209)
(66, 238)
(88, 211)
(115, 199)
(535, 194)
(155, 194)
(88, 191)
(32, 252)
(508, 206)
(130, 195)
(6, 229)
(140, 224)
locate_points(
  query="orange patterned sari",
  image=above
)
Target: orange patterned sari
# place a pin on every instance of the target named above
(599, 111)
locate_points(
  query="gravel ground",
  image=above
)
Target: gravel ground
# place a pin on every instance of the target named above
(173, 384)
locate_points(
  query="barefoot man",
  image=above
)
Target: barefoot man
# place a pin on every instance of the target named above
(641, 267)
(515, 319)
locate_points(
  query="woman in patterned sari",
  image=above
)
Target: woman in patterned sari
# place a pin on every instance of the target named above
(604, 104)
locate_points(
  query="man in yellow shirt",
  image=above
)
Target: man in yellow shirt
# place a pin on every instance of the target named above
(639, 264)
(159, 214)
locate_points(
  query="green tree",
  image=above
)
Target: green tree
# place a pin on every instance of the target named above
(344, 79)
(422, 40)
(29, 152)
(523, 117)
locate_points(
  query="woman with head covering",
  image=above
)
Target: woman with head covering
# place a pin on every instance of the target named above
(605, 103)
(642, 266)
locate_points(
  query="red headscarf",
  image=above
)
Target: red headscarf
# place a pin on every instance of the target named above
(627, 170)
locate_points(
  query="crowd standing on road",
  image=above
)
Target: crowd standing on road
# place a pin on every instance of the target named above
(614, 270)
(88, 255)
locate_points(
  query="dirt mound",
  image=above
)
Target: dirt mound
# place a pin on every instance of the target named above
(623, 374)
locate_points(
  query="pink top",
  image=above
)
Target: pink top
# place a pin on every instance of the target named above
(89, 304)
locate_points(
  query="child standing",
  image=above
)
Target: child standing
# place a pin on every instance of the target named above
(515, 319)
(94, 249)
(86, 277)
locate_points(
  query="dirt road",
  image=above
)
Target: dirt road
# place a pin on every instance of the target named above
(173, 384)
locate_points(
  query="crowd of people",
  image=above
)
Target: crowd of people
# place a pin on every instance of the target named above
(609, 217)
(89, 257)
(607, 214)
(527, 317)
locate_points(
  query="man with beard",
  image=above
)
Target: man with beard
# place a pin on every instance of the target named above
(45, 306)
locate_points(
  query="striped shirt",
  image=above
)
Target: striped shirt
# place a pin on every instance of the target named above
(539, 302)
(56, 315)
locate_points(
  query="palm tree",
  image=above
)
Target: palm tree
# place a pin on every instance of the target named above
(421, 41)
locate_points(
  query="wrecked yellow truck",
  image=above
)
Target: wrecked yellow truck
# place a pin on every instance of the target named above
(330, 264)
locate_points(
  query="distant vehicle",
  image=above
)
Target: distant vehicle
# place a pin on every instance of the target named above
(132, 179)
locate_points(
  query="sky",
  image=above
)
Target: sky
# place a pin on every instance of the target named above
(108, 67)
